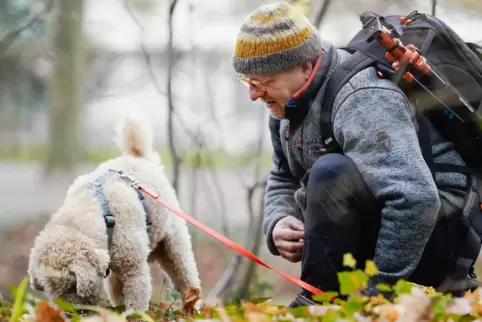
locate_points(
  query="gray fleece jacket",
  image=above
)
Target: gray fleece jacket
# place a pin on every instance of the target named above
(400, 178)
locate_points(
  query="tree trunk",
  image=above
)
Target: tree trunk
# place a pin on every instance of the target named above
(66, 89)
(176, 160)
(257, 233)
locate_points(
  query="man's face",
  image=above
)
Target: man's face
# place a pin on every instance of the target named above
(277, 89)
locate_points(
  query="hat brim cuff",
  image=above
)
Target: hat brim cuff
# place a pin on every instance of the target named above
(280, 61)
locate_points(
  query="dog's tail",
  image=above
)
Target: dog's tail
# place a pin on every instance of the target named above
(135, 137)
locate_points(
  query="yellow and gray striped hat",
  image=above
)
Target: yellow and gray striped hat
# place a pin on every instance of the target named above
(273, 38)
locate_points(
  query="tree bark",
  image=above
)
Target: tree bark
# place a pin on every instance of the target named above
(66, 88)
(257, 233)
(176, 160)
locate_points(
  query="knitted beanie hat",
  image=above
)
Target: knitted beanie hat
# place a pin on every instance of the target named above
(273, 38)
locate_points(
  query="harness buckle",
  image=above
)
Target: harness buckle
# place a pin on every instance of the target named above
(109, 221)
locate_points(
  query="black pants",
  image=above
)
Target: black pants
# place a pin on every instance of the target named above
(343, 216)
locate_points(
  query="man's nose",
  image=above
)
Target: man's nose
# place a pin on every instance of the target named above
(255, 93)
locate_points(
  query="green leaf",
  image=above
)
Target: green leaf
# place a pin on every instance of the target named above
(65, 306)
(333, 316)
(403, 287)
(370, 268)
(353, 305)
(325, 297)
(440, 303)
(351, 282)
(349, 260)
(20, 293)
(298, 312)
(176, 295)
(384, 287)
(258, 300)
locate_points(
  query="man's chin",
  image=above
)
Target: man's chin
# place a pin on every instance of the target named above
(278, 116)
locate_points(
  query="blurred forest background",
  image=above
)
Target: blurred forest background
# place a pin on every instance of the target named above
(70, 69)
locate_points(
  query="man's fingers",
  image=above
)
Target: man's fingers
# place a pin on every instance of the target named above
(295, 223)
(289, 234)
(289, 247)
(292, 257)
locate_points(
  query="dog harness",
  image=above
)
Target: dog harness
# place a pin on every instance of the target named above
(97, 186)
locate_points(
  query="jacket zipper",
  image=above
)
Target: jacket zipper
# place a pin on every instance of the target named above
(471, 199)
(300, 146)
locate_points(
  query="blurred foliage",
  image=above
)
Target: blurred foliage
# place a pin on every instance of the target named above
(409, 302)
(142, 6)
(20, 88)
(192, 159)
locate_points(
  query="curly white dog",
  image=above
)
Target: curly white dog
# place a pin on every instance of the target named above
(105, 225)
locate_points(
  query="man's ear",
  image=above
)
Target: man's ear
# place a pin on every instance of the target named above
(307, 68)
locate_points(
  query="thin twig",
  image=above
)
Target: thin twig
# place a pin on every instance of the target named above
(145, 53)
(322, 13)
(9, 38)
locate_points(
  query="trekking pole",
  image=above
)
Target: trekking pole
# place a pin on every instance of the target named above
(406, 59)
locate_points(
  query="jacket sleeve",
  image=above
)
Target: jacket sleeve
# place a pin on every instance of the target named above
(280, 189)
(374, 127)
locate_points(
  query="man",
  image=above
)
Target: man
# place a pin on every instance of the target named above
(377, 199)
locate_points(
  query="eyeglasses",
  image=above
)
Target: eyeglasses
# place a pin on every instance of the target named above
(256, 83)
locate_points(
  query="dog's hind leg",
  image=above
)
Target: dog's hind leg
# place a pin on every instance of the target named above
(114, 289)
(176, 257)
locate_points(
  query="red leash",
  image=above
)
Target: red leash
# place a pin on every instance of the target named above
(226, 241)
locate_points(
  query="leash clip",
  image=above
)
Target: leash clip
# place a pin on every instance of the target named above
(125, 175)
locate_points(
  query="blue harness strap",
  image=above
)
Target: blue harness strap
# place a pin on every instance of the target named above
(109, 219)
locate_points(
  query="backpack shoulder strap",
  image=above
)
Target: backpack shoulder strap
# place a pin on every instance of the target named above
(339, 78)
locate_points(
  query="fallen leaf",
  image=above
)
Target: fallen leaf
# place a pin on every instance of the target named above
(370, 268)
(189, 299)
(349, 260)
(47, 313)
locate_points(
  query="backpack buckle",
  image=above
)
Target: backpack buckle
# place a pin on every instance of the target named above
(412, 16)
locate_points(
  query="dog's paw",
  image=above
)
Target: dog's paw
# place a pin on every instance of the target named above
(191, 300)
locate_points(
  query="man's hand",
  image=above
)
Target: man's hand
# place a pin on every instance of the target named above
(287, 234)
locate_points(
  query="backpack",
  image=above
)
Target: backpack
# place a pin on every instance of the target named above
(456, 61)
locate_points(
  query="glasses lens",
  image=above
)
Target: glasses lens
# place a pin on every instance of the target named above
(247, 82)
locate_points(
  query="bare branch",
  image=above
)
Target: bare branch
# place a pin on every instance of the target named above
(13, 34)
(176, 159)
(227, 279)
(145, 52)
(322, 13)
(256, 230)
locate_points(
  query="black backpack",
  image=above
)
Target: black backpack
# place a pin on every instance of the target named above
(459, 63)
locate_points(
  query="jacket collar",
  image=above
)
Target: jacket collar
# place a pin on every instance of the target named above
(300, 103)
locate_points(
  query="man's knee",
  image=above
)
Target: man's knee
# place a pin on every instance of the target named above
(335, 182)
(332, 167)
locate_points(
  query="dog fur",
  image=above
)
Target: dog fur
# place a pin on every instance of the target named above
(74, 242)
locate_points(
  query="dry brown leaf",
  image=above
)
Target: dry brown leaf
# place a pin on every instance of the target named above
(44, 312)
(189, 299)
(389, 312)
(209, 307)
(150, 311)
